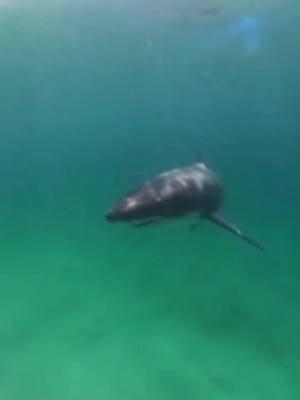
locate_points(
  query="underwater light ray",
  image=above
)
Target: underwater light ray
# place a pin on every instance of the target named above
(249, 28)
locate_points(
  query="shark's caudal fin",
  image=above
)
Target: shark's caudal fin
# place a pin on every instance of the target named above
(216, 219)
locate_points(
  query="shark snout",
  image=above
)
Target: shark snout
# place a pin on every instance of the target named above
(111, 215)
(125, 210)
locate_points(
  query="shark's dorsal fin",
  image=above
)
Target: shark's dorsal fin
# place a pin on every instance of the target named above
(199, 158)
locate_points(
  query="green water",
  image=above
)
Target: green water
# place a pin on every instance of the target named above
(95, 98)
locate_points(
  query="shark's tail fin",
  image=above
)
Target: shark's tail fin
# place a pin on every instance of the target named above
(216, 219)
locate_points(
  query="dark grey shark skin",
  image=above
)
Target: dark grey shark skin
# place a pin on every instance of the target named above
(174, 194)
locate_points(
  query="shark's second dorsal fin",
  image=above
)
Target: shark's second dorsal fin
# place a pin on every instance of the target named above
(216, 219)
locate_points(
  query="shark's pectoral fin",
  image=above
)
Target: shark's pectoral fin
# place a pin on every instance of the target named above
(147, 222)
(216, 219)
(194, 226)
